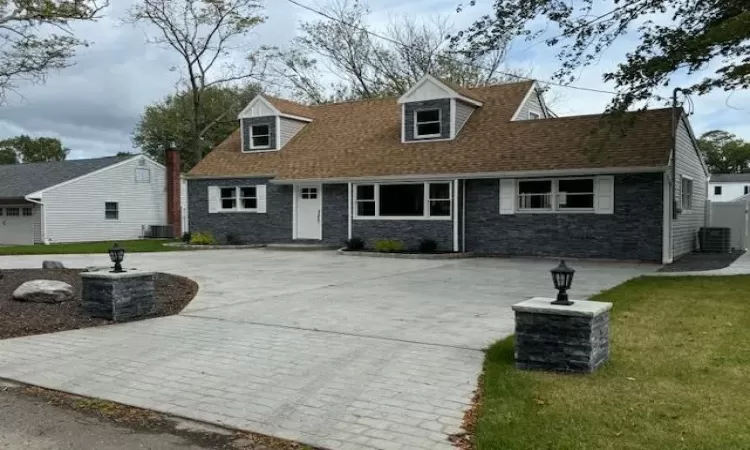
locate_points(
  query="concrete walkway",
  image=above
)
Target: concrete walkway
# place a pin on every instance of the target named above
(740, 266)
(338, 352)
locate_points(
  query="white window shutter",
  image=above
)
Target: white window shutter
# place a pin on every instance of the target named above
(214, 199)
(605, 195)
(507, 196)
(260, 191)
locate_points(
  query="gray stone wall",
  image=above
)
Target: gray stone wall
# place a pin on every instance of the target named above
(274, 226)
(334, 214)
(411, 232)
(445, 117)
(247, 125)
(633, 232)
(560, 342)
(118, 297)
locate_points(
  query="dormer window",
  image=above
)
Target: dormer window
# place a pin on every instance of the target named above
(427, 123)
(533, 115)
(260, 136)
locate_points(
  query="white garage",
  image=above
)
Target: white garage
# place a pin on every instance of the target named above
(17, 224)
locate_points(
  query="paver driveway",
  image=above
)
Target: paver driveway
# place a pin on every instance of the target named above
(335, 351)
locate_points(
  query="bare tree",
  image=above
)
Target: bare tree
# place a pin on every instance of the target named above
(365, 63)
(207, 35)
(29, 47)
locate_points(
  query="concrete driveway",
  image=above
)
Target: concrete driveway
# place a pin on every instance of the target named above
(335, 351)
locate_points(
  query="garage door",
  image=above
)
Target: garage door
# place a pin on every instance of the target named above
(16, 225)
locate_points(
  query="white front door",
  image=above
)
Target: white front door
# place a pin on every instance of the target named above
(309, 218)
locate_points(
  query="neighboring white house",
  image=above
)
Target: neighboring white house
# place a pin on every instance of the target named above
(81, 200)
(728, 187)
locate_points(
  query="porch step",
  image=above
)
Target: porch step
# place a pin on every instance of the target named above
(301, 246)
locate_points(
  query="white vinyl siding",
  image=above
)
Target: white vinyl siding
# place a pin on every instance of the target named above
(288, 129)
(75, 210)
(685, 227)
(463, 112)
(532, 104)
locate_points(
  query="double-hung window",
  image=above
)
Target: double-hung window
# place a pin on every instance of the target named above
(403, 200)
(111, 211)
(687, 193)
(427, 123)
(243, 198)
(260, 136)
(564, 194)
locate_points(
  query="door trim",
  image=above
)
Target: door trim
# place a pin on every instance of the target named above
(295, 206)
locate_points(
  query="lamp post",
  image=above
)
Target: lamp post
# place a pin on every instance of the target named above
(116, 254)
(562, 276)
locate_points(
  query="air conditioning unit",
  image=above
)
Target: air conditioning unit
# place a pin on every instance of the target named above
(715, 240)
(159, 232)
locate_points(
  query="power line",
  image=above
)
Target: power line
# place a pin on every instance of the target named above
(394, 41)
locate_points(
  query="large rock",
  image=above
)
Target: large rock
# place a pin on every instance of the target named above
(52, 265)
(44, 291)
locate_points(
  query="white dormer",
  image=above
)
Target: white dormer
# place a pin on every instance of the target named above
(533, 106)
(431, 110)
(265, 128)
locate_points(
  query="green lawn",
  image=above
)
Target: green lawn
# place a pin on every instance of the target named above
(678, 377)
(145, 245)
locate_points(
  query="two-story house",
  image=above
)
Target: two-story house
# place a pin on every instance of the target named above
(483, 170)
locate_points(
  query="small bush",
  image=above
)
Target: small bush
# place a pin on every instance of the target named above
(204, 238)
(427, 246)
(232, 239)
(389, 246)
(187, 237)
(355, 244)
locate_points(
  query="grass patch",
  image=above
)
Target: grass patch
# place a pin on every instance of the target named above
(677, 377)
(135, 246)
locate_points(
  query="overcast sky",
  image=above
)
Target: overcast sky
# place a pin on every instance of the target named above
(93, 106)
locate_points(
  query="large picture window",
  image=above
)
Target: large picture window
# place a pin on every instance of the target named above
(403, 200)
(427, 123)
(564, 194)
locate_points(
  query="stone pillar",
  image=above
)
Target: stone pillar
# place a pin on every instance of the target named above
(572, 338)
(118, 296)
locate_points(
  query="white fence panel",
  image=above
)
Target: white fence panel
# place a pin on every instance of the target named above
(734, 216)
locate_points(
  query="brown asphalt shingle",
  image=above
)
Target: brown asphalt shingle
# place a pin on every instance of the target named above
(363, 139)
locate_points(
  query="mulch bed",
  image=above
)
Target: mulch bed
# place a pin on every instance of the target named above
(18, 319)
(702, 261)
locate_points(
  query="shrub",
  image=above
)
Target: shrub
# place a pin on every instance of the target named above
(355, 244)
(232, 239)
(427, 246)
(389, 246)
(204, 238)
(187, 237)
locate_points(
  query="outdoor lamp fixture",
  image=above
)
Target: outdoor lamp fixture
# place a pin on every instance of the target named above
(116, 254)
(562, 276)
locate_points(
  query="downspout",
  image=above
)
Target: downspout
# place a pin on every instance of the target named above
(43, 229)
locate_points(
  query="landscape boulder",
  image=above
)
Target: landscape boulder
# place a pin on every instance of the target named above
(52, 265)
(44, 291)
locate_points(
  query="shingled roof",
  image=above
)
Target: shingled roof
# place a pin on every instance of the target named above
(363, 139)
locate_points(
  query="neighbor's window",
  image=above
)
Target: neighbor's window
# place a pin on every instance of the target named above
(717, 190)
(12, 212)
(407, 200)
(249, 197)
(427, 123)
(747, 189)
(142, 175)
(1, 211)
(27, 211)
(260, 136)
(229, 198)
(535, 195)
(575, 194)
(687, 193)
(111, 211)
(533, 115)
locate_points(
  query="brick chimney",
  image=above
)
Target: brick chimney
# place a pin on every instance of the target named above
(174, 184)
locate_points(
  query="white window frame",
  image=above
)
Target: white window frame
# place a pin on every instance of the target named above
(116, 210)
(555, 197)
(689, 205)
(533, 115)
(253, 136)
(417, 123)
(239, 206)
(426, 199)
(139, 175)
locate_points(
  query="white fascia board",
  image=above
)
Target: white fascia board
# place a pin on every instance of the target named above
(245, 113)
(479, 175)
(293, 117)
(449, 92)
(74, 180)
(526, 98)
(220, 177)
